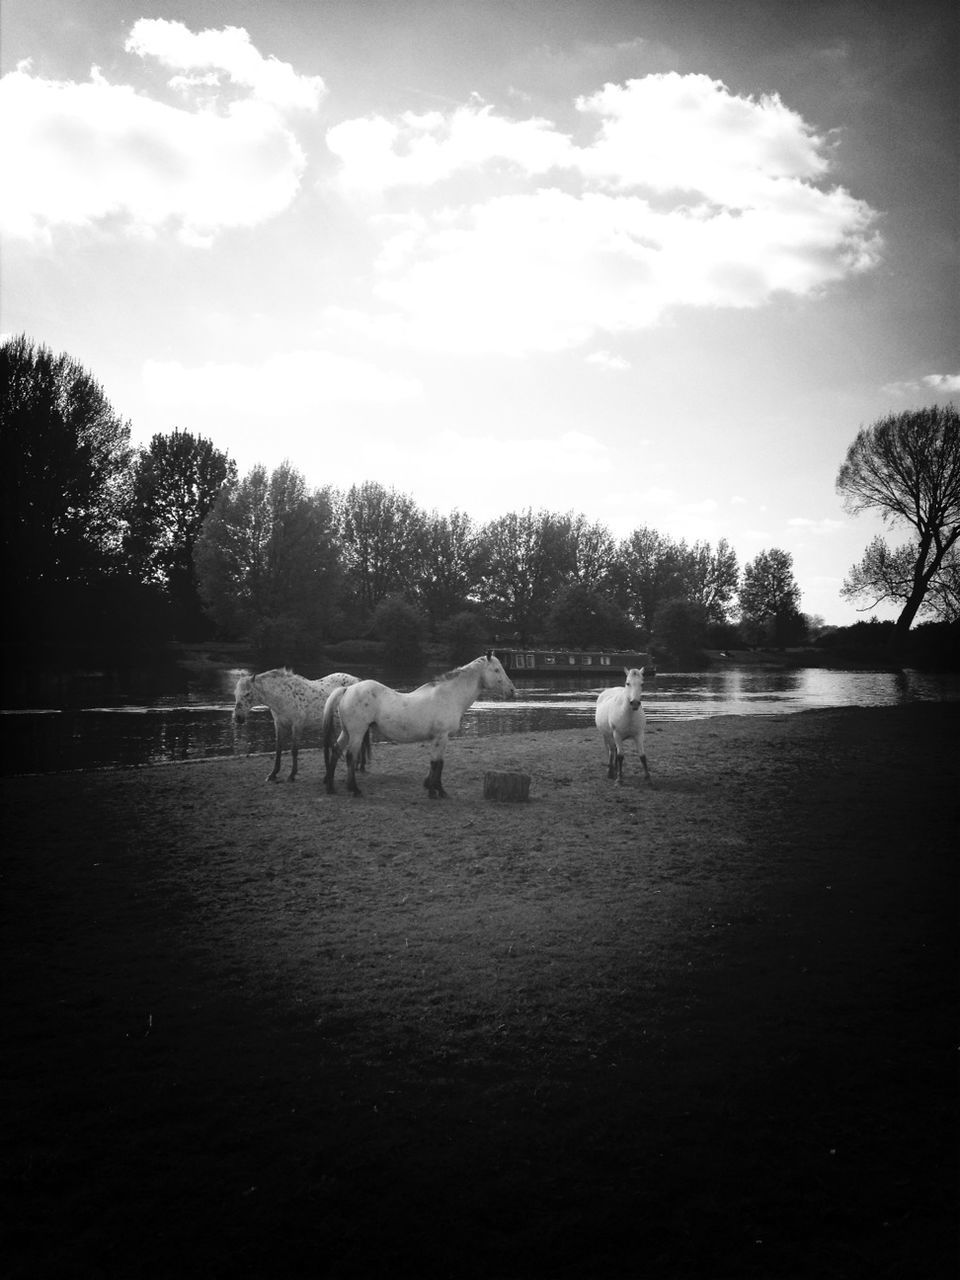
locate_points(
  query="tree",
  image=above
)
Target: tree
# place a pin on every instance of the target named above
(64, 458)
(176, 481)
(711, 578)
(381, 534)
(586, 619)
(651, 571)
(402, 628)
(679, 630)
(593, 552)
(266, 562)
(451, 564)
(770, 599)
(527, 560)
(907, 467)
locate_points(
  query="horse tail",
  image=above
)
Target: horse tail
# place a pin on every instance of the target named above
(366, 751)
(330, 721)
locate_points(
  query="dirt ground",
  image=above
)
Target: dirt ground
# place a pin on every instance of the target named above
(701, 1029)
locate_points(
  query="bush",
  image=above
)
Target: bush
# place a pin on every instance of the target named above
(402, 628)
(464, 637)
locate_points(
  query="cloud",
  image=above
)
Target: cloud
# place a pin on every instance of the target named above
(607, 360)
(209, 54)
(285, 384)
(687, 195)
(88, 153)
(937, 383)
(824, 527)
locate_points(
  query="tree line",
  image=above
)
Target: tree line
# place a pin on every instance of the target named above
(110, 546)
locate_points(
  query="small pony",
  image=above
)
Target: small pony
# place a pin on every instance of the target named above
(430, 713)
(620, 718)
(294, 702)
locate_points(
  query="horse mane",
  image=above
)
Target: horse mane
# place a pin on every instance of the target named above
(274, 671)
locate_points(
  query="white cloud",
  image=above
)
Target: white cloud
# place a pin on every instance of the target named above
(824, 527)
(287, 383)
(688, 196)
(937, 383)
(419, 150)
(607, 360)
(87, 152)
(209, 53)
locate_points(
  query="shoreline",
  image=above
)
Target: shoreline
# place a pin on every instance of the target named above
(279, 1032)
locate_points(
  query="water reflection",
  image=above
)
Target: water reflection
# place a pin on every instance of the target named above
(189, 717)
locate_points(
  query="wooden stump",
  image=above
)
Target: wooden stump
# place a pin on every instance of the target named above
(506, 786)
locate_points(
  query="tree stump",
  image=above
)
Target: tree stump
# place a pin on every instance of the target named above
(506, 786)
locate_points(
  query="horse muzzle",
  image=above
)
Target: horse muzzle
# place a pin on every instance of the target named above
(635, 705)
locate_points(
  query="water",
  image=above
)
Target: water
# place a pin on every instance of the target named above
(106, 723)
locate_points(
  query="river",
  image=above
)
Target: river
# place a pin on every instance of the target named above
(105, 723)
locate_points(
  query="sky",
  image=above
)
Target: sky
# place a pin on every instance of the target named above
(652, 262)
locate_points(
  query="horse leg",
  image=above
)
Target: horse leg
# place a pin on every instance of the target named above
(294, 750)
(272, 775)
(333, 755)
(433, 781)
(352, 774)
(611, 755)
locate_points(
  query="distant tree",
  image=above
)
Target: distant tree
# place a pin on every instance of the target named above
(266, 562)
(176, 481)
(770, 599)
(527, 559)
(907, 467)
(402, 628)
(711, 577)
(584, 618)
(593, 552)
(451, 562)
(465, 636)
(679, 630)
(651, 569)
(64, 468)
(380, 537)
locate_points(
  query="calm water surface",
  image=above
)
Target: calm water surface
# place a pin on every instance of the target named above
(109, 723)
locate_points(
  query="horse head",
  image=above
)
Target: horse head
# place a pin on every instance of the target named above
(634, 686)
(493, 678)
(244, 695)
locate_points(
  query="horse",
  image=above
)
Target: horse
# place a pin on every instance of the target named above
(620, 718)
(294, 702)
(430, 713)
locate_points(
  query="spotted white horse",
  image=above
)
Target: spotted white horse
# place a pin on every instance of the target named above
(295, 704)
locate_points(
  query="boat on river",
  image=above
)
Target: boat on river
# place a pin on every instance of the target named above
(567, 662)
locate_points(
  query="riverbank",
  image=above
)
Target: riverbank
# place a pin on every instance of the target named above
(705, 1029)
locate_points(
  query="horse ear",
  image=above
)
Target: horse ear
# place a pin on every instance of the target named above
(489, 654)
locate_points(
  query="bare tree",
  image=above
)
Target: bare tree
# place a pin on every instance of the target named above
(907, 467)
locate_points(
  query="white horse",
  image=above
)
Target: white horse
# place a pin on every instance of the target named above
(620, 719)
(294, 702)
(430, 713)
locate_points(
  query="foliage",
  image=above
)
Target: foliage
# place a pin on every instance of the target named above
(770, 600)
(711, 578)
(266, 563)
(65, 455)
(175, 484)
(584, 618)
(64, 459)
(465, 636)
(402, 628)
(907, 467)
(528, 559)
(679, 631)
(650, 571)
(380, 534)
(451, 564)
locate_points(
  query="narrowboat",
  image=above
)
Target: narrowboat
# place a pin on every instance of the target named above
(568, 662)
